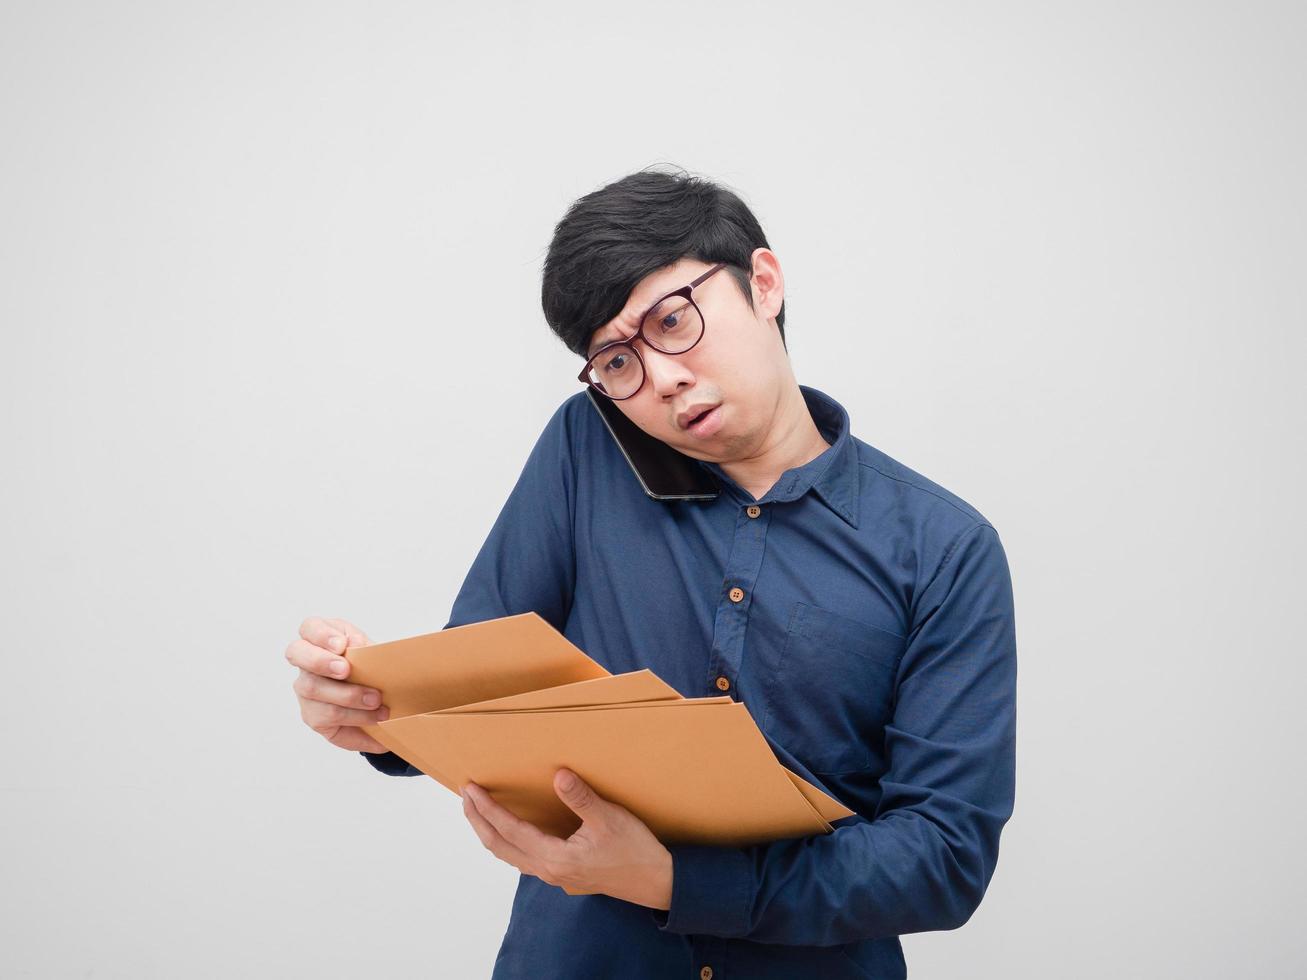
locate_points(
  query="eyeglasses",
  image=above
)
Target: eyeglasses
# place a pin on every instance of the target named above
(672, 325)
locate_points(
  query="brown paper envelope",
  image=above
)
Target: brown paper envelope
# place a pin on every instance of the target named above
(464, 664)
(702, 774)
(638, 685)
(467, 666)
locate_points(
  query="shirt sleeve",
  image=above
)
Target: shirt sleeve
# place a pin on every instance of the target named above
(923, 863)
(527, 562)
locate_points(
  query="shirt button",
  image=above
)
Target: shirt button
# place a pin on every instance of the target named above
(736, 594)
(753, 511)
(723, 684)
(706, 973)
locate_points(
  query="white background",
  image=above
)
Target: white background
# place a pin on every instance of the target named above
(264, 268)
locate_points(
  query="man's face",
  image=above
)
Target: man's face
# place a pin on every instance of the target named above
(739, 369)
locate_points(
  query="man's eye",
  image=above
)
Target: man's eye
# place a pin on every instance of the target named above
(671, 319)
(616, 363)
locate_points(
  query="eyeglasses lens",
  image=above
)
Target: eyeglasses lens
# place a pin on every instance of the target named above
(673, 327)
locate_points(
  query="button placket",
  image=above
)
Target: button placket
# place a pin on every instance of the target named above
(732, 616)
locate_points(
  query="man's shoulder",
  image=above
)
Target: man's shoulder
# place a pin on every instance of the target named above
(574, 422)
(572, 410)
(885, 476)
(576, 438)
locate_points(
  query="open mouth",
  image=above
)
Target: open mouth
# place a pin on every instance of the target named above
(706, 424)
(699, 418)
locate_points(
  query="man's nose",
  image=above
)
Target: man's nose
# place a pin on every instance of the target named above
(666, 372)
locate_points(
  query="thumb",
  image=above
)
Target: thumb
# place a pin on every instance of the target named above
(354, 636)
(577, 794)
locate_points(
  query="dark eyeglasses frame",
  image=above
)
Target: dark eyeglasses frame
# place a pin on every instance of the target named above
(639, 335)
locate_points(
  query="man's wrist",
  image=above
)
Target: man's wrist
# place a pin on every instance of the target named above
(656, 890)
(663, 882)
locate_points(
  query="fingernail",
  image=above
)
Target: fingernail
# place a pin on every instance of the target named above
(566, 780)
(372, 699)
(383, 714)
(336, 643)
(338, 667)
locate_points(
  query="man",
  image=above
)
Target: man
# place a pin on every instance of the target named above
(862, 614)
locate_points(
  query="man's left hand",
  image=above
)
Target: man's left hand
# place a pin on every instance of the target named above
(613, 852)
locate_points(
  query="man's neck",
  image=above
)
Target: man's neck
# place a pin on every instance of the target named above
(794, 439)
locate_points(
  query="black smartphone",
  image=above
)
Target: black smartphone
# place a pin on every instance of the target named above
(664, 473)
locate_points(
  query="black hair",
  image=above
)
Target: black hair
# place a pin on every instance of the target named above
(612, 238)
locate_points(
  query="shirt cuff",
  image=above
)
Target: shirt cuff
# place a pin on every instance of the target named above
(389, 763)
(712, 892)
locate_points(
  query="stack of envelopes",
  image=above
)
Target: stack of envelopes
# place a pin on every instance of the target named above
(508, 702)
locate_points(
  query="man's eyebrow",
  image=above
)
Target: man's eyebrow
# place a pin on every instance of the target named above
(608, 333)
(643, 308)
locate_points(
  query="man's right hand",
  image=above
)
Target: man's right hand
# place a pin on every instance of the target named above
(330, 704)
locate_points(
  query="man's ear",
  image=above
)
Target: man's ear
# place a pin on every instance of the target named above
(767, 283)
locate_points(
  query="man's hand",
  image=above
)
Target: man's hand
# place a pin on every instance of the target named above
(613, 852)
(328, 704)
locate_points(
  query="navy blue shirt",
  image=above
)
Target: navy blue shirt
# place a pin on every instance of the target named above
(874, 645)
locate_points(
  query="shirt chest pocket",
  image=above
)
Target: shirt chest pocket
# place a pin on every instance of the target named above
(832, 689)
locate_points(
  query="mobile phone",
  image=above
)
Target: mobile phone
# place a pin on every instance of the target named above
(663, 472)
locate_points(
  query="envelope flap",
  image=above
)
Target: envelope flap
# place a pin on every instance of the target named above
(465, 664)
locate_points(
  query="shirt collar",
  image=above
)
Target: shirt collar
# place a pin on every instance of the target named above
(833, 475)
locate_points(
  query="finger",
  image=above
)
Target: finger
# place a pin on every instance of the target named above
(579, 796)
(493, 840)
(321, 633)
(315, 688)
(326, 718)
(308, 656)
(356, 740)
(522, 834)
(354, 636)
